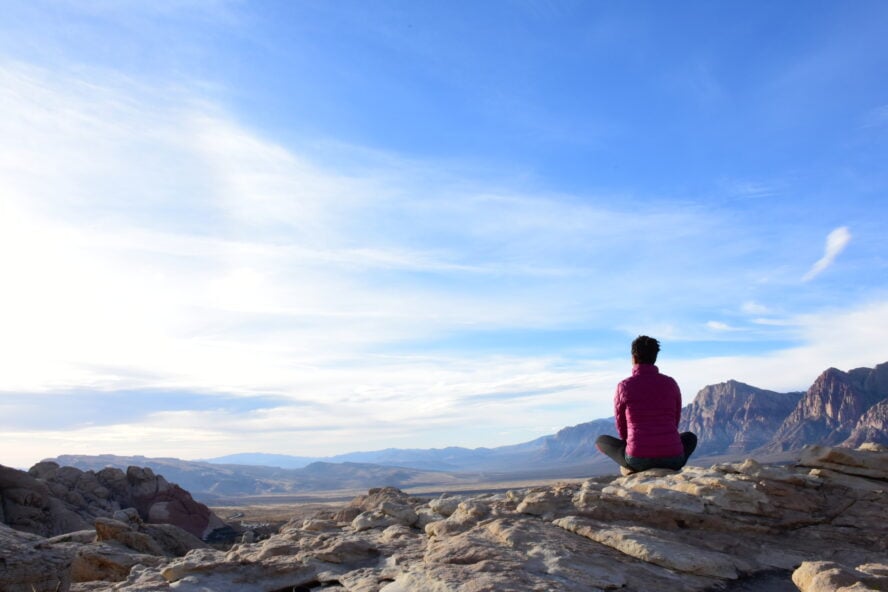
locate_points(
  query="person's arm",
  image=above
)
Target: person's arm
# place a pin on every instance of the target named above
(677, 405)
(620, 412)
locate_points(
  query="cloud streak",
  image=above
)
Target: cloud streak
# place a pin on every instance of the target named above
(721, 326)
(836, 242)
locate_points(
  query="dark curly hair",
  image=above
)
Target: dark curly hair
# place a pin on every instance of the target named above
(645, 349)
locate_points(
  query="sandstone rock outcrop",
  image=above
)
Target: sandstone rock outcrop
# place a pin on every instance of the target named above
(160, 502)
(26, 566)
(826, 576)
(822, 522)
(50, 500)
(33, 505)
(31, 563)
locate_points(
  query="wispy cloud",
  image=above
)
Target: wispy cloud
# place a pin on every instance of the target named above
(836, 242)
(745, 188)
(754, 308)
(839, 338)
(721, 326)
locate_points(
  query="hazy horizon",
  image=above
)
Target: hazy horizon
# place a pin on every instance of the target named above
(314, 228)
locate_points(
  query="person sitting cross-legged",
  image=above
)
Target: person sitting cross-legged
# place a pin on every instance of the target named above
(647, 406)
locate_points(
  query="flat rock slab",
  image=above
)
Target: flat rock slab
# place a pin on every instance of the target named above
(655, 547)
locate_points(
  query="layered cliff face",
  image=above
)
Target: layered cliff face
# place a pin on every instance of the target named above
(840, 408)
(830, 411)
(735, 417)
(872, 427)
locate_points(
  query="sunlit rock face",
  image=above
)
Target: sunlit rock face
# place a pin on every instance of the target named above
(733, 417)
(820, 522)
(840, 408)
(872, 427)
(834, 408)
(93, 557)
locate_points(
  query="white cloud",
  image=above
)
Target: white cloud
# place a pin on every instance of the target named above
(836, 242)
(754, 308)
(720, 326)
(843, 339)
(749, 188)
(773, 322)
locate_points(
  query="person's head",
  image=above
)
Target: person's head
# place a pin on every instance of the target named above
(645, 350)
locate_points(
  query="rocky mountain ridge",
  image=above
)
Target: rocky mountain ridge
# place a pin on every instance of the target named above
(210, 482)
(568, 446)
(832, 408)
(731, 419)
(821, 523)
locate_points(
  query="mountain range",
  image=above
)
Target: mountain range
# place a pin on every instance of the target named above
(731, 419)
(570, 446)
(840, 408)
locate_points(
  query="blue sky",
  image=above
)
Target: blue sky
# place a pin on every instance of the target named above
(318, 227)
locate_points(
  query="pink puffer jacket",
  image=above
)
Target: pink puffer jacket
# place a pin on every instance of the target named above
(647, 407)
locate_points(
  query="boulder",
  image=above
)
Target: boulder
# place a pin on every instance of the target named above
(26, 568)
(316, 524)
(445, 505)
(828, 576)
(160, 502)
(30, 506)
(44, 470)
(372, 519)
(545, 502)
(174, 541)
(467, 515)
(845, 460)
(29, 562)
(108, 529)
(108, 563)
(347, 550)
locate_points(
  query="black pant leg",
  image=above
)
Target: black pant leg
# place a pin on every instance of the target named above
(614, 448)
(689, 442)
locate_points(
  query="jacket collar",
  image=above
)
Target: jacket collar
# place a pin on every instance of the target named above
(644, 369)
